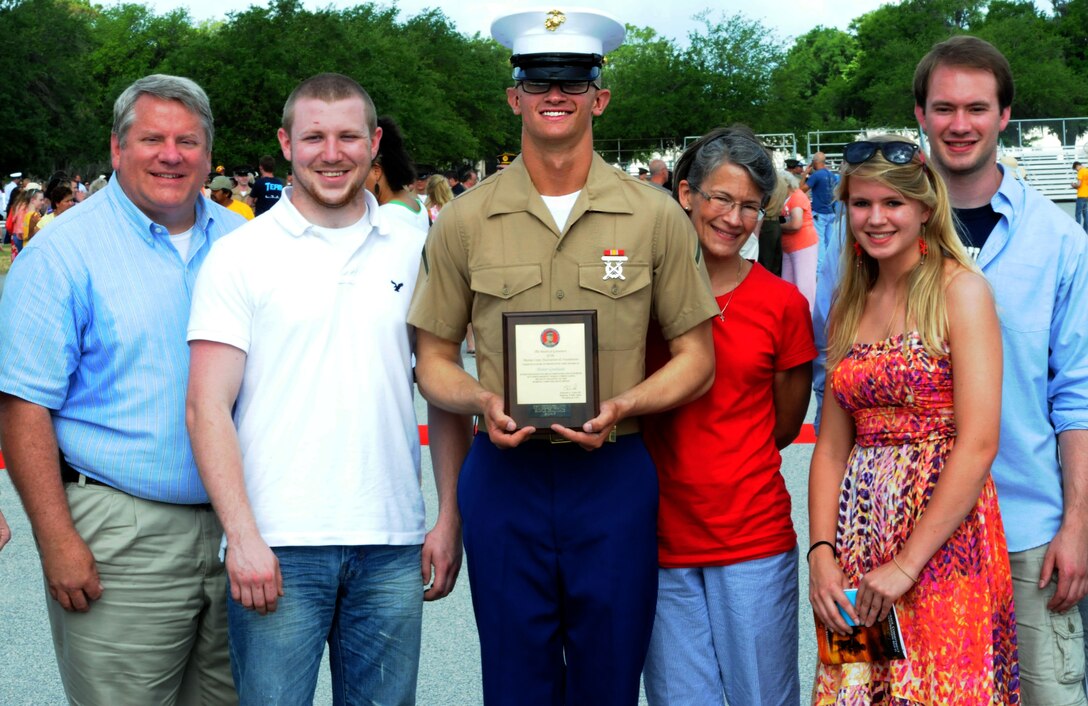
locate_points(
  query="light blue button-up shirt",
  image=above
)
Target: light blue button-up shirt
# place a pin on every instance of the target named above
(827, 278)
(92, 327)
(1036, 258)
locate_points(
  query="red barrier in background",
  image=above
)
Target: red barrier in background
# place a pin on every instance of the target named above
(807, 436)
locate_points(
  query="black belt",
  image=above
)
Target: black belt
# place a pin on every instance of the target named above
(626, 426)
(71, 475)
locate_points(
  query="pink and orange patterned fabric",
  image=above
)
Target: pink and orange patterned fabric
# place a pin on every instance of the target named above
(958, 622)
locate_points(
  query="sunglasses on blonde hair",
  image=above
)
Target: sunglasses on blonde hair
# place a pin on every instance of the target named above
(897, 152)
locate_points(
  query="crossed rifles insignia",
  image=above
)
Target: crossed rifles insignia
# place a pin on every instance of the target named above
(613, 264)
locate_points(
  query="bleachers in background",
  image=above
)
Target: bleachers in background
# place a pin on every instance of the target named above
(1054, 144)
(1049, 169)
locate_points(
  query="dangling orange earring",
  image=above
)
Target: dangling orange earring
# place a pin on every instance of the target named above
(922, 247)
(857, 251)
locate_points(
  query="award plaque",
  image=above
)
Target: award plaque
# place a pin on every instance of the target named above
(550, 367)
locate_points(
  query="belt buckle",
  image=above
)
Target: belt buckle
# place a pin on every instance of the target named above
(557, 439)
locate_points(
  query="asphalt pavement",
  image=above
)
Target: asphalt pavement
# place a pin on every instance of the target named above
(450, 658)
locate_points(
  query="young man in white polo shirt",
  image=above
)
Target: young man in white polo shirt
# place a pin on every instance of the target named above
(316, 477)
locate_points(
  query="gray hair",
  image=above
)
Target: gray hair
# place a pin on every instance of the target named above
(791, 179)
(726, 145)
(175, 88)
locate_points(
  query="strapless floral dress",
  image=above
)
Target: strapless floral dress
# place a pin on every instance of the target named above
(958, 621)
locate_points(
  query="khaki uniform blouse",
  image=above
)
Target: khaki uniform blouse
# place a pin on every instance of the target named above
(496, 248)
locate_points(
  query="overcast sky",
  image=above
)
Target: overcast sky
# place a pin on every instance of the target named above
(789, 18)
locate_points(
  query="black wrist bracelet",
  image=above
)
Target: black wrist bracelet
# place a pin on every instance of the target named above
(816, 544)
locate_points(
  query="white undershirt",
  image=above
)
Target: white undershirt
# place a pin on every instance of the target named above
(182, 242)
(561, 206)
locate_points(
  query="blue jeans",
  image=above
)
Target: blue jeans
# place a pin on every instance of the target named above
(366, 602)
(726, 629)
(1081, 213)
(825, 227)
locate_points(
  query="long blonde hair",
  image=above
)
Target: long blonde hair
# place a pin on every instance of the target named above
(926, 310)
(438, 190)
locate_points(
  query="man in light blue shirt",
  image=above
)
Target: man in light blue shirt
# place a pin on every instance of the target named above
(1036, 259)
(1042, 298)
(92, 335)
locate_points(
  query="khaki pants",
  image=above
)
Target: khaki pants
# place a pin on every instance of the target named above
(158, 635)
(1051, 644)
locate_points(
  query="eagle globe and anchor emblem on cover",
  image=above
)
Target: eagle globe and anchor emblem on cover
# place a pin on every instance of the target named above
(554, 20)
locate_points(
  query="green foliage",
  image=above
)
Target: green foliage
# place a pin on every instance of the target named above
(652, 90)
(69, 59)
(660, 91)
(890, 42)
(1046, 85)
(1071, 22)
(735, 58)
(45, 119)
(465, 115)
(446, 90)
(127, 42)
(812, 88)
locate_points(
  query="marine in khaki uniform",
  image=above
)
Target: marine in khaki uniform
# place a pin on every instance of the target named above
(561, 537)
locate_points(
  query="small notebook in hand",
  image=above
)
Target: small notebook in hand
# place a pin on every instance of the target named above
(876, 643)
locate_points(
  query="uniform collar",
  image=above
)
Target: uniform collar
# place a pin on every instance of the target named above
(598, 193)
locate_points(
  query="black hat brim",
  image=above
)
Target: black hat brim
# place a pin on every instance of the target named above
(557, 67)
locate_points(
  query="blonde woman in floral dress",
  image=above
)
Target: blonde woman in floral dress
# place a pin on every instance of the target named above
(901, 503)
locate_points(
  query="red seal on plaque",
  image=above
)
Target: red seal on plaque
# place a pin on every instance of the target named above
(549, 337)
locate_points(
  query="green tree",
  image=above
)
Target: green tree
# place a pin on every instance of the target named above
(128, 42)
(1071, 22)
(1046, 85)
(446, 99)
(651, 86)
(811, 87)
(47, 120)
(248, 66)
(891, 40)
(734, 59)
(466, 116)
(447, 90)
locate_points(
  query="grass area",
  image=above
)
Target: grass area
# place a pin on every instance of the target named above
(5, 259)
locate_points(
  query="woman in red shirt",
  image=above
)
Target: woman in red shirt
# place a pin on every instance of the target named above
(726, 619)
